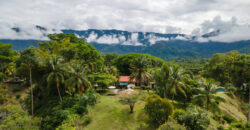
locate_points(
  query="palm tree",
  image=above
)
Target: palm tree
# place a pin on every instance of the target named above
(161, 80)
(139, 71)
(56, 74)
(207, 96)
(176, 80)
(169, 80)
(78, 80)
(29, 60)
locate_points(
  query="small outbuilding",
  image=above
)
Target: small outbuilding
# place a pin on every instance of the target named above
(123, 81)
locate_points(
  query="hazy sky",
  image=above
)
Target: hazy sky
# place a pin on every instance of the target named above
(165, 16)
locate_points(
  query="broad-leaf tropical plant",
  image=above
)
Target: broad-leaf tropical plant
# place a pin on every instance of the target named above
(176, 80)
(207, 96)
(139, 71)
(56, 75)
(78, 79)
(161, 77)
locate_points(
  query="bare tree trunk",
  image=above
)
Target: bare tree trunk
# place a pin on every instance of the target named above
(32, 98)
(131, 108)
(57, 85)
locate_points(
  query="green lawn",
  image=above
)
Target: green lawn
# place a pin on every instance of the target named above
(110, 114)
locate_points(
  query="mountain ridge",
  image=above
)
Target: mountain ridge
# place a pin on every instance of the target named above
(166, 46)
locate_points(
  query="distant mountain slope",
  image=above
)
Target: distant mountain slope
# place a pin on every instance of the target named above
(169, 50)
(166, 46)
(20, 44)
(122, 37)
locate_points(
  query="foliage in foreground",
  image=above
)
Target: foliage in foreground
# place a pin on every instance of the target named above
(158, 109)
(194, 118)
(14, 117)
(171, 125)
(70, 106)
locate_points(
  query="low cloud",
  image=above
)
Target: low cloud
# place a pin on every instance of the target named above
(153, 39)
(114, 39)
(224, 30)
(24, 32)
(162, 16)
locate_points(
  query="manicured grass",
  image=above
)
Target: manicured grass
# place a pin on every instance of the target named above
(110, 114)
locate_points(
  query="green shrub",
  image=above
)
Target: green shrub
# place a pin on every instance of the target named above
(74, 122)
(171, 125)
(16, 88)
(136, 87)
(228, 119)
(17, 118)
(220, 127)
(1, 76)
(68, 110)
(237, 124)
(247, 125)
(143, 87)
(158, 109)
(178, 113)
(18, 96)
(195, 119)
(86, 120)
(3, 94)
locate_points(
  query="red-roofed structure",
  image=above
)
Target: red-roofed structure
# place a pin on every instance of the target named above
(125, 79)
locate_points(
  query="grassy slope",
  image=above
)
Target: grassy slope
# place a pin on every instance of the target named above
(110, 114)
(232, 107)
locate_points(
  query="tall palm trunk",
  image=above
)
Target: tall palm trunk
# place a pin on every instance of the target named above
(57, 86)
(32, 97)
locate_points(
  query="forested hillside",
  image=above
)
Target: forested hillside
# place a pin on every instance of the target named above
(65, 83)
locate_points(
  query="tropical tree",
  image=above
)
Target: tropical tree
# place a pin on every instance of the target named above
(139, 70)
(207, 96)
(176, 80)
(29, 60)
(56, 73)
(129, 97)
(170, 80)
(78, 78)
(6, 56)
(161, 78)
(112, 70)
(123, 62)
(109, 58)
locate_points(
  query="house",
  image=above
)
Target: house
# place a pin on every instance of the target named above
(123, 81)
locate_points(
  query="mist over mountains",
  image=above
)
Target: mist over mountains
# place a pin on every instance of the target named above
(166, 46)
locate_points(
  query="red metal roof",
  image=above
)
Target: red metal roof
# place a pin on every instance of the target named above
(125, 79)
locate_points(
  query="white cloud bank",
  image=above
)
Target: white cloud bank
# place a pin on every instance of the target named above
(121, 39)
(163, 16)
(229, 31)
